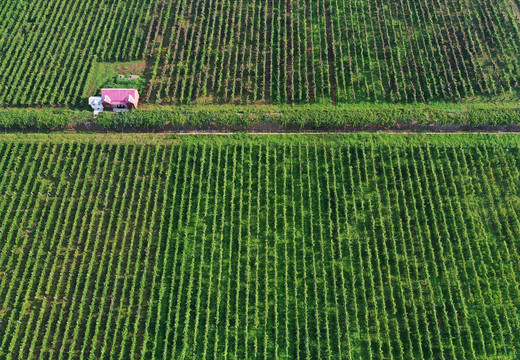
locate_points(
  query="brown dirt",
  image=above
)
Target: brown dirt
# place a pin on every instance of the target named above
(134, 68)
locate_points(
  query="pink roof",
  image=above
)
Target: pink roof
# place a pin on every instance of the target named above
(120, 96)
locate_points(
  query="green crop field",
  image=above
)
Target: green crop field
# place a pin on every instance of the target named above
(357, 246)
(261, 51)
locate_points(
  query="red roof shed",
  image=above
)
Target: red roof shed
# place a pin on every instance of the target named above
(119, 98)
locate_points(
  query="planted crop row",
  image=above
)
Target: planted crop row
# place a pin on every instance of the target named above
(271, 51)
(333, 51)
(258, 249)
(48, 48)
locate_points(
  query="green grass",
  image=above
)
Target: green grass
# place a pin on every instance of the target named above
(252, 246)
(103, 73)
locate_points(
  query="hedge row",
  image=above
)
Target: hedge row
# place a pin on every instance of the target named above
(40, 119)
(318, 116)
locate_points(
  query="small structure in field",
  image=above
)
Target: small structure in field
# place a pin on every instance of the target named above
(114, 100)
(129, 77)
(96, 104)
(119, 99)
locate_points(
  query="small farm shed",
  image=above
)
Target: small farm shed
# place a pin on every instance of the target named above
(96, 104)
(119, 99)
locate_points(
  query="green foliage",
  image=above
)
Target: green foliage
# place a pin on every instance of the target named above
(40, 119)
(322, 117)
(125, 83)
(276, 247)
(336, 52)
(103, 74)
(494, 116)
(134, 118)
(274, 52)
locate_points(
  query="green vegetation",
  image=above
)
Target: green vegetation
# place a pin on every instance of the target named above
(106, 75)
(40, 118)
(319, 116)
(335, 51)
(124, 82)
(295, 117)
(362, 246)
(250, 52)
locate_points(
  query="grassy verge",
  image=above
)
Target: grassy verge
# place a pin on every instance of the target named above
(376, 139)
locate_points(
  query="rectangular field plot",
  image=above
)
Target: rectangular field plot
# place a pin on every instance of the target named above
(336, 51)
(259, 249)
(264, 51)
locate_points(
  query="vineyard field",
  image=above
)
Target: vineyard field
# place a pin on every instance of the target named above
(263, 51)
(266, 247)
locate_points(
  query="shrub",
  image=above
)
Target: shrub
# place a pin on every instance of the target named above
(41, 119)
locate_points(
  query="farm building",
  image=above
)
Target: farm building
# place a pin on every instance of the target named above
(115, 100)
(119, 99)
(96, 104)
